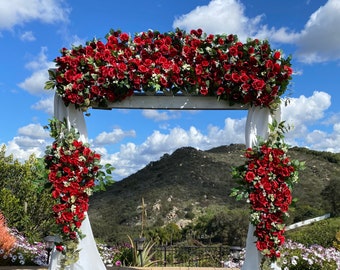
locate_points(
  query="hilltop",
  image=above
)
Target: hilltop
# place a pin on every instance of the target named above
(180, 187)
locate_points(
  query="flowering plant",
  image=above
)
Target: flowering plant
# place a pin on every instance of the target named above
(296, 256)
(171, 63)
(266, 182)
(74, 172)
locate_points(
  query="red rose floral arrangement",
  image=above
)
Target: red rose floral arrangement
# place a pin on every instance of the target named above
(74, 173)
(171, 63)
(266, 181)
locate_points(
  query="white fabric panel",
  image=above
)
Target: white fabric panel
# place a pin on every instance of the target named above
(256, 126)
(89, 258)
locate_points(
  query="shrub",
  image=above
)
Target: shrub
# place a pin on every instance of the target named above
(322, 233)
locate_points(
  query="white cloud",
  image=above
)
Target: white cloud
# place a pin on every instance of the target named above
(106, 138)
(319, 41)
(36, 82)
(31, 139)
(304, 111)
(323, 141)
(18, 12)
(220, 16)
(157, 115)
(34, 131)
(27, 36)
(46, 105)
(132, 157)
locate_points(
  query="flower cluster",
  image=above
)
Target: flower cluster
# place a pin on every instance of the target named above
(120, 255)
(24, 253)
(73, 168)
(173, 62)
(266, 182)
(296, 256)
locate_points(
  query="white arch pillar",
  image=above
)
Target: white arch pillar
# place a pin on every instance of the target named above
(89, 257)
(257, 123)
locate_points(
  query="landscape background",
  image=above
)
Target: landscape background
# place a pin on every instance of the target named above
(192, 186)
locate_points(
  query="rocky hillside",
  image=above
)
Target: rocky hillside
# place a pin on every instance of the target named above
(182, 186)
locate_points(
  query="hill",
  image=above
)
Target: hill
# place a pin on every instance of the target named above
(183, 186)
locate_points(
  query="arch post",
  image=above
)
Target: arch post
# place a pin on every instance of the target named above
(257, 123)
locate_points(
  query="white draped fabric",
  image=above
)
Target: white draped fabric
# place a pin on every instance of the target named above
(89, 258)
(256, 126)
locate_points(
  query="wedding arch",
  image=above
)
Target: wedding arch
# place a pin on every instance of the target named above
(174, 70)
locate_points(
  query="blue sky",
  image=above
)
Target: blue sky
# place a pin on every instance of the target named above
(33, 31)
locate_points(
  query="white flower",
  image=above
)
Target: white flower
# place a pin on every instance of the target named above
(294, 260)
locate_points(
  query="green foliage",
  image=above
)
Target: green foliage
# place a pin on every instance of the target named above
(336, 243)
(304, 212)
(197, 182)
(24, 200)
(332, 194)
(165, 235)
(144, 257)
(322, 233)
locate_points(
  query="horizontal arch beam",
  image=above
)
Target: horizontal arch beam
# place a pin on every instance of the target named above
(170, 102)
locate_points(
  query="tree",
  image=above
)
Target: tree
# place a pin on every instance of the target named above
(332, 194)
(24, 198)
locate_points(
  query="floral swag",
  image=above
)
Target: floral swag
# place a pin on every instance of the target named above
(266, 181)
(173, 63)
(74, 173)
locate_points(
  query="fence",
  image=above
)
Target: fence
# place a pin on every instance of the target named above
(191, 256)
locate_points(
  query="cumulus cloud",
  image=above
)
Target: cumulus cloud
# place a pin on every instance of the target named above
(115, 136)
(36, 82)
(132, 157)
(46, 105)
(34, 131)
(219, 16)
(318, 41)
(302, 113)
(31, 139)
(157, 115)
(18, 12)
(323, 141)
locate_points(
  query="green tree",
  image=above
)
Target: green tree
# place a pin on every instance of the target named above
(332, 194)
(24, 199)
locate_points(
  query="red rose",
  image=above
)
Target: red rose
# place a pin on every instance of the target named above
(261, 245)
(277, 55)
(66, 229)
(59, 248)
(258, 84)
(250, 176)
(124, 37)
(73, 235)
(235, 77)
(68, 216)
